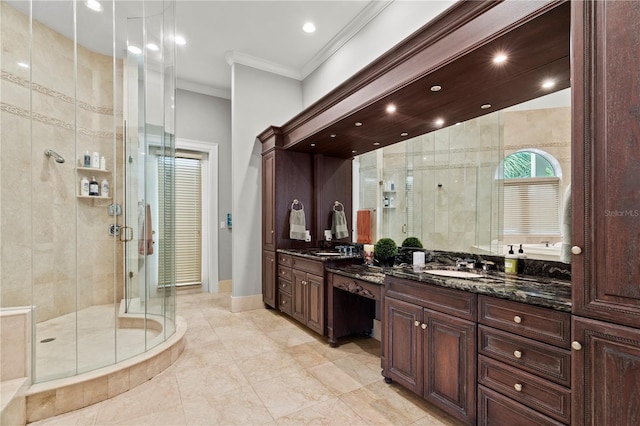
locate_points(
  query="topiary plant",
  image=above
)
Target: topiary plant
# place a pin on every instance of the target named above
(412, 242)
(385, 250)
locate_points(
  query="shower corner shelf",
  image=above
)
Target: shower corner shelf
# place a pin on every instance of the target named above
(93, 197)
(92, 170)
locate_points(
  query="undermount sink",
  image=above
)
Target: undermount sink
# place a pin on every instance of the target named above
(452, 274)
(326, 253)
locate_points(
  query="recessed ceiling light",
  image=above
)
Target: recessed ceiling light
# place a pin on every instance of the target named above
(458, 123)
(376, 143)
(354, 151)
(436, 88)
(94, 5)
(403, 134)
(485, 106)
(134, 49)
(391, 108)
(313, 144)
(308, 27)
(180, 40)
(153, 46)
(439, 122)
(548, 84)
(358, 124)
(23, 64)
(499, 58)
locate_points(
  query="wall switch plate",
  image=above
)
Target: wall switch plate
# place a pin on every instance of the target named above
(223, 225)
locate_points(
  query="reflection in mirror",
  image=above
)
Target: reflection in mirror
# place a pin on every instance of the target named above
(477, 186)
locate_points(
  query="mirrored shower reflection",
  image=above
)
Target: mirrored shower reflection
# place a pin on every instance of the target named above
(67, 81)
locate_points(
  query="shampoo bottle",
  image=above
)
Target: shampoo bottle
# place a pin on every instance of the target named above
(103, 163)
(87, 160)
(511, 262)
(94, 188)
(84, 186)
(104, 188)
(95, 163)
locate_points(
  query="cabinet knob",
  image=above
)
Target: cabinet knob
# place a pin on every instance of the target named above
(416, 323)
(284, 285)
(272, 231)
(576, 250)
(517, 354)
(517, 319)
(518, 387)
(576, 345)
(271, 260)
(424, 326)
(284, 302)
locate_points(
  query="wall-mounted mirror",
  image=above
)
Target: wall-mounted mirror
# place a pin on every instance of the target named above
(478, 186)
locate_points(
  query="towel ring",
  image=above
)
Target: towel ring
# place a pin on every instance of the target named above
(295, 203)
(336, 204)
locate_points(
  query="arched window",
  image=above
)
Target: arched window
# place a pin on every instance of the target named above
(531, 193)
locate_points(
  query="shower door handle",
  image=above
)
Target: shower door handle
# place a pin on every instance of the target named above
(126, 234)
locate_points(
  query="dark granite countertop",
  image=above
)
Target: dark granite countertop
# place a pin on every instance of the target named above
(319, 254)
(541, 291)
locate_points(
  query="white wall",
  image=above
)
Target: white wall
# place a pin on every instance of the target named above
(395, 23)
(258, 99)
(208, 119)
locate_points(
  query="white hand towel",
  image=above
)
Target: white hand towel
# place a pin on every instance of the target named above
(297, 225)
(339, 225)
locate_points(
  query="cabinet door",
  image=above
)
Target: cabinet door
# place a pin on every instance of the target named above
(315, 303)
(605, 157)
(299, 295)
(269, 278)
(450, 364)
(268, 201)
(606, 373)
(402, 345)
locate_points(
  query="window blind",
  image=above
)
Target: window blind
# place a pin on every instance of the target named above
(531, 206)
(187, 241)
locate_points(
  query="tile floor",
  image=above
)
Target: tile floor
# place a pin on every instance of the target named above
(260, 368)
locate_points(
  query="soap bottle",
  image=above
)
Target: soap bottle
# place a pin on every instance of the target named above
(521, 258)
(87, 160)
(93, 187)
(104, 187)
(84, 186)
(96, 160)
(511, 262)
(103, 163)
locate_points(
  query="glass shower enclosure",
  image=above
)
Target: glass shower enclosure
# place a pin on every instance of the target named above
(97, 270)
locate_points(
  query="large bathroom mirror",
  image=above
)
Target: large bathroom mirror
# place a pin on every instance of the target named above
(480, 186)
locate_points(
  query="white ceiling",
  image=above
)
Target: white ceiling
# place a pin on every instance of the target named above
(264, 34)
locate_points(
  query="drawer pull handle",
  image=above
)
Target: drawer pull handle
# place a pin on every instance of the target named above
(517, 319)
(576, 345)
(517, 354)
(518, 387)
(424, 326)
(416, 323)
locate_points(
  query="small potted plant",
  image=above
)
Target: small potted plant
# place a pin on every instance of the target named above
(385, 251)
(412, 242)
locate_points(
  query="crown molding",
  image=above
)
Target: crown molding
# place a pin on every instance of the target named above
(236, 57)
(366, 15)
(192, 86)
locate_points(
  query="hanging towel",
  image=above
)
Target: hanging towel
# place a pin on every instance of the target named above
(339, 225)
(146, 238)
(364, 226)
(297, 225)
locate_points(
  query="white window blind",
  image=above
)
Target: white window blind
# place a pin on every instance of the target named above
(187, 241)
(531, 206)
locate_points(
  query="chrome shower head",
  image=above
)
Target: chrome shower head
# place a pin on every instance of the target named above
(55, 155)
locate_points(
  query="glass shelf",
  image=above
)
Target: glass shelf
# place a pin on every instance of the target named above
(92, 170)
(93, 197)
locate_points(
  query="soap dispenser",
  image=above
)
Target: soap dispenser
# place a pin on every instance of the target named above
(521, 258)
(511, 262)
(94, 188)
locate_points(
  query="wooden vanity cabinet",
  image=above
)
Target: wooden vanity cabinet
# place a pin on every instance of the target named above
(524, 363)
(605, 212)
(308, 293)
(430, 344)
(269, 278)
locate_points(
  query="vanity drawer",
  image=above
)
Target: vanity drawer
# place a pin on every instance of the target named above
(285, 259)
(284, 272)
(312, 266)
(359, 287)
(497, 409)
(537, 358)
(284, 286)
(542, 395)
(543, 324)
(284, 302)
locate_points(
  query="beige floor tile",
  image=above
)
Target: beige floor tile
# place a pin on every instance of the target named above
(330, 412)
(238, 407)
(306, 355)
(334, 378)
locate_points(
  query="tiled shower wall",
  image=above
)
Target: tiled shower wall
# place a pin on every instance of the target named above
(56, 253)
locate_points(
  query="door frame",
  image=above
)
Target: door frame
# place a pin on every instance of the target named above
(210, 274)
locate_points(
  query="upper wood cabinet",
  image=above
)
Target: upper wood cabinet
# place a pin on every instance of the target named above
(606, 160)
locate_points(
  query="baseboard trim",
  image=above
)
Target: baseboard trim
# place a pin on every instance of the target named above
(246, 303)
